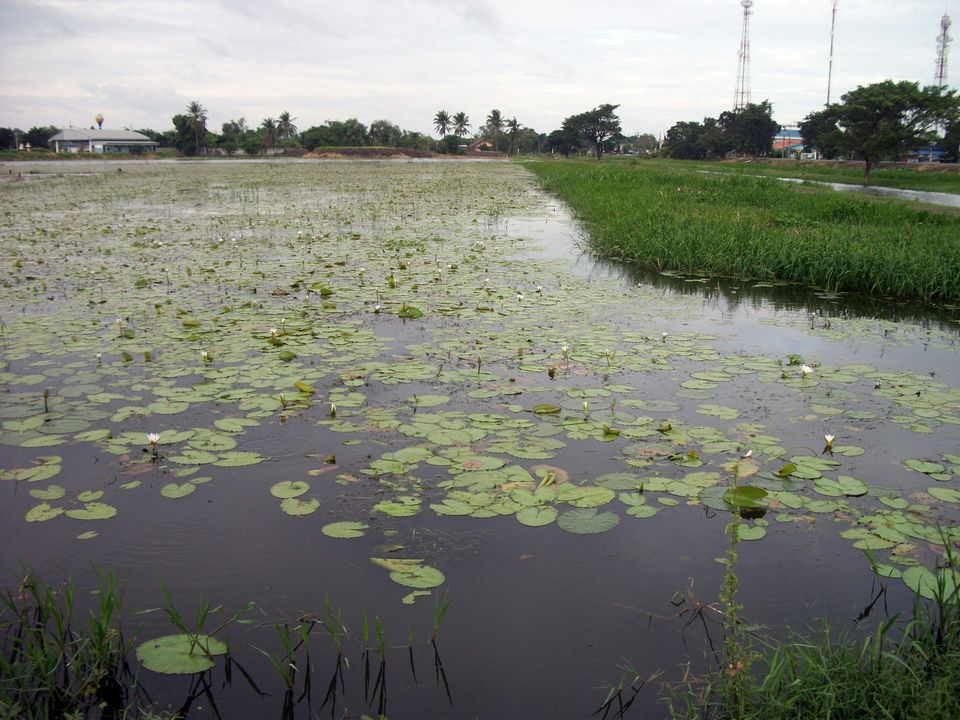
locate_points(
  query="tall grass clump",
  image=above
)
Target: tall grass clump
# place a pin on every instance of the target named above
(56, 662)
(760, 228)
(907, 672)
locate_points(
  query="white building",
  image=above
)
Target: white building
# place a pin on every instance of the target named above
(100, 141)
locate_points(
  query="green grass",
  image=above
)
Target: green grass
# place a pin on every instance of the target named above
(667, 218)
(907, 672)
(931, 178)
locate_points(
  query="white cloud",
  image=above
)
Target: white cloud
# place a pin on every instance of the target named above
(139, 62)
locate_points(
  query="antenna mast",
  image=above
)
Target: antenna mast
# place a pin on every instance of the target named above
(943, 47)
(741, 97)
(833, 25)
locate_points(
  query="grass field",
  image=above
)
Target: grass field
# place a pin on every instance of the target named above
(665, 217)
(930, 178)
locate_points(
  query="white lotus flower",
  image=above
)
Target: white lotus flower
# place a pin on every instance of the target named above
(829, 440)
(747, 454)
(565, 348)
(663, 336)
(205, 355)
(273, 332)
(805, 370)
(333, 410)
(586, 406)
(540, 289)
(153, 438)
(519, 296)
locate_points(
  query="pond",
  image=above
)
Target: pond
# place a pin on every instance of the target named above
(385, 384)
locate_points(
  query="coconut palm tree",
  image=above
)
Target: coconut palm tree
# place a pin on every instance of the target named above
(461, 124)
(268, 137)
(495, 125)
(285, 127)
(197, 116)
(441, 121)
(513, 129)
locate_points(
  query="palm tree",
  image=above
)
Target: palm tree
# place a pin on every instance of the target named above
(513, 129)
(285, 127)
(269, 136)
(495, 125)
(461, 124)
(197, 115)
(441, 121)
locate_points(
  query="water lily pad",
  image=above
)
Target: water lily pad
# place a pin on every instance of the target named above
(289, 489)
(298, 507)
(92, 511)
(180, 654)
(238, 459)
(537, 516)
(950, 495)
(345, 529)
(923, 466)
(843, 485)
(43, 512)
(587, 521)
(402, 506)
(53, 492)
(173, 491)
(421, 577)
(745, 496)
(750, 532)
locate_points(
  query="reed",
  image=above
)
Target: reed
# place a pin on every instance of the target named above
(666, 219)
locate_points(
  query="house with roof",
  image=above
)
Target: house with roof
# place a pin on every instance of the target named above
(96, 140)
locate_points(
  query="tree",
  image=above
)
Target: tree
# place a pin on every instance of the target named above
(36, 137)
(441, 121)
(494, 126)
(685, 141)
(197, 120)
(645, 143)
(384, 133)
(595, 126)
(819, 131)
(461, 124)
(888, 119)
(564, 141)
(286, 130)
(8, 138)
(513, 130)
(749, 130)
(335, 133)
(951, 140)
(232, 135)
(268, 135)
(182, 137)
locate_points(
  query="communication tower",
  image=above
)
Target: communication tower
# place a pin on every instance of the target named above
(741, 97)
(943, 46)
(833, 26)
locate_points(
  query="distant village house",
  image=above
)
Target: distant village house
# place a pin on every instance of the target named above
(101, 141)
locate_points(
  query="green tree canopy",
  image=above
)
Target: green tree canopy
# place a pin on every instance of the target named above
(595, 126)
(442, 123)
(197, 121)
(461, 124)
(749, 130)
(819, 131)
(495, 126)
(887, 119)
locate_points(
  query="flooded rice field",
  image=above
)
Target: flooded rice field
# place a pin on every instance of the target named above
(354, 392)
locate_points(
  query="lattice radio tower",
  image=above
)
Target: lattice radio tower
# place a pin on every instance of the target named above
(741, 97)
(943, 46)
(833, 26)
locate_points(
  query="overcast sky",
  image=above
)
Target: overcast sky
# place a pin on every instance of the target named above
(139, 62)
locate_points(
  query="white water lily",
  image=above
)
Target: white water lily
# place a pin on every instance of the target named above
(519, 296)
(376, 308)
(99, 357)
(747, 454)
(273, 332)
(205, 355)
(153, 439)
(333, 410)
(805, 370)
(540, 289)
(586, 406)
(829, 440)
(663, 336)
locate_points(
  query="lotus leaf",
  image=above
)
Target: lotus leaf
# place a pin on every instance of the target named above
(297, 507)
(344, 529)
(180, 654)
(289, 489)
(587, 521)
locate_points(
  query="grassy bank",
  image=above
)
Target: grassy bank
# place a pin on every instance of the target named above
(666, 218)
(926, 177)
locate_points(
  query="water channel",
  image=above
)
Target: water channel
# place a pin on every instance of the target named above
(662, 386)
